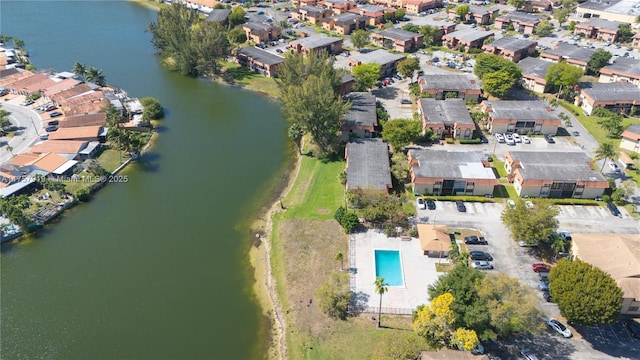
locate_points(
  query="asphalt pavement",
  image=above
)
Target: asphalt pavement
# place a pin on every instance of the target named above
(29, 126)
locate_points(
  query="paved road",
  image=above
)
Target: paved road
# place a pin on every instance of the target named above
(29, 126)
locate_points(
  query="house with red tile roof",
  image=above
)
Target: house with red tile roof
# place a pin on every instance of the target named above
(84, 133)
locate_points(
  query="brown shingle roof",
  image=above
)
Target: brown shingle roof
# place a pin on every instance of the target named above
(9, 80)
(84, 120)
(434, 237)
(28, 82)
(60, 86)
(74, 91)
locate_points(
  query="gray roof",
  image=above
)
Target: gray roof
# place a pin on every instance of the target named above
(481, 10)
(260, 55)
(625, 65)
(569, 51)
(469, 34)
(371, 8)
(445, 111)
(313, 42)
(520, 110)
(511, 43)
(520, 16)
(368, 166)
(256, 26)
(534, 67)
(563, 166)
(218, 15)
(618, 91)
(450, 164)
(346, 77)
(624, 7)
(634, 129)
(379, 56)
(363, 110)
(601, 24)
(396, 33)
(313, 9)
(346, 18)
(450, 82)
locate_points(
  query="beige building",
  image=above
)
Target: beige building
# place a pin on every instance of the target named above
(554, 175)
(618, 97)
(619, 256)
(622, 70)
(521, 116)
(631, 138)
(434, 240)
(613, 10)
(534, 72)
(441, 172)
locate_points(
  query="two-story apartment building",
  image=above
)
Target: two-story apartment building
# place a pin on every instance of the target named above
(261, 33)
(439, 87)
(362, 119)
(463, 40)
(311, 14)
(344, 23)
(572, 54)
(522, 22)
(622, 70)
(397, 39)
(368, 168)
(520, 116)
(534, 73)
(259, 61)
(374, 13)
(478, 14)
(618, 97)
(511, 48)
(599, 29)
(317, 44)
(388, 61)
(446, 118)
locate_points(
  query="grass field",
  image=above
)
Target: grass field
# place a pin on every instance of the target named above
(111, 159)
(234, 74)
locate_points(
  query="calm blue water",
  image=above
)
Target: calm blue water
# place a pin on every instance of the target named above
(388, 267)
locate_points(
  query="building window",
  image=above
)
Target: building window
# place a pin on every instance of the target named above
(633, 308)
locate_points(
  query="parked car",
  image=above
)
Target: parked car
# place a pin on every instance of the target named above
(480, 255)
(509, 139)
(540, 267)
(479, 350)
(547, 296)
(525, 139)
(435, 59)
(53, 122)
(529, 204)
(55, 114)
(633, 327)
(279, 51)
(559, 327)
(431, 205)
(481, 265)
(516, 138)
(543, 285)
(460, 206)
(528, 355)
(49, 107)
(44, 136)
(549, 139)
(565, 235)
(488, 157)
(614, 167)
(421, 204)
(523, 243)
(474, 240)
(499, 137)
(51, 128)
(4, 92)
(27, 102)
(614, 209)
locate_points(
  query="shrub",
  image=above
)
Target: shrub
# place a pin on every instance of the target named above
(469, 141)
(347, 219)
(334, 296)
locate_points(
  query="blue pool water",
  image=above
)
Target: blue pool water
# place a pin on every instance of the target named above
(388, 267)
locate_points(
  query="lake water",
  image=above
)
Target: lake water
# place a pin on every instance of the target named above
(155, 268)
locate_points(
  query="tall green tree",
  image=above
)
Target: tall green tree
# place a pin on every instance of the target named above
(599, 59)
(80, 70)
(624, 33)
(237, 36)
(531, 225)
(401, 132)
(585, 294)
(152, 110)
(544, 28)
(408, 66)
(381, 288)
(498, 83)
(605, 151)
(429, 33)
(609, 121)
(360, 38)
(462, 11)
(562, 74)
(334, 296)
(295, 133)
(237, 16)
(366, 75)
(399, 14)
(490, 63)
(562, 15)
(411, 27)
(518, 4)
(340, 257)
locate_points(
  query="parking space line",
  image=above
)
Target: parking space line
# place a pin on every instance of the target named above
(614, 333)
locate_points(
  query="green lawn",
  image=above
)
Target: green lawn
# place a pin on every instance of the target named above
(236, 74)
(111, 159)
(499, 166)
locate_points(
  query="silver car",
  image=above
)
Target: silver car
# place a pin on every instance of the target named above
(528, 355)
(481, 265)
(559, 327)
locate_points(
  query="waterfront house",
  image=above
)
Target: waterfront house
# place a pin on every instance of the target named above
(361, 120)
(521, 116)
(442, 173)
(545, 174)
(47, 163)
(446, 118)
(70, 149)
(259, 61)
(368, 167)
(534, 72)
(71, 93)
(439, 87)
(463, 40)
(84, 133)
(631, 139)
(618, 97)
(99, 119)
(511, 48)
(397, 39)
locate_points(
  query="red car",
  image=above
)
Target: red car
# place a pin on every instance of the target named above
(540, 267)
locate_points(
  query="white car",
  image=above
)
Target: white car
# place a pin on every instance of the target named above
(529, 204)
(499, 137)
(481, 265)
(422, 205)
(516, 138)
(523, 243)
(479, 350)
(511, 203)
(565, 235)
(614, 167)
(559, 327)
(509, 140)
(525, 139)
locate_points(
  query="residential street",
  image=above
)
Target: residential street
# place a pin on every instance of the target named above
(29, 126)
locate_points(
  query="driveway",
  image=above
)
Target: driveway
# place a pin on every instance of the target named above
(29, 126)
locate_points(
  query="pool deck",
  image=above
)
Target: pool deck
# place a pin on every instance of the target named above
(419, 271)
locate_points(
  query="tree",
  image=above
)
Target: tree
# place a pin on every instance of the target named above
(114, 116)
(610, 121)
(18, 43)
(489, 63)
(295, 133)
(562, 16)
(334, 296)
(498, 83)
(408, 66)
(585, 294)
(462, 11)
(572, 26)
(562, 74)
(531, 225)
(237, 36)
(366, 75)
(401, 132)
(95, 76)
(435, 322)
(340, 257)
(605, 151)
(464, 339)
(624, 32)
(511, 305)
(152, 109)
(381, 288)
(80, 70)
(400, 13)
(411, 27)
(9, 149)
(544, 28)
(360, 38)
(558, 245)
(400, 167)
(406, 347)
(518, 4)
(348, 219)
(237, 16)
(429, 33)
(599, 59)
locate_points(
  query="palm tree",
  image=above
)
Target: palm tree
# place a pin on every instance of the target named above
(296, 133)
(340, 257)
(80, 70)
(558, 245)
(381, 288)
(95, 75)
(605, 151)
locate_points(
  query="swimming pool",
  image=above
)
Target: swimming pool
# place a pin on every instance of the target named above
(389, 267)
